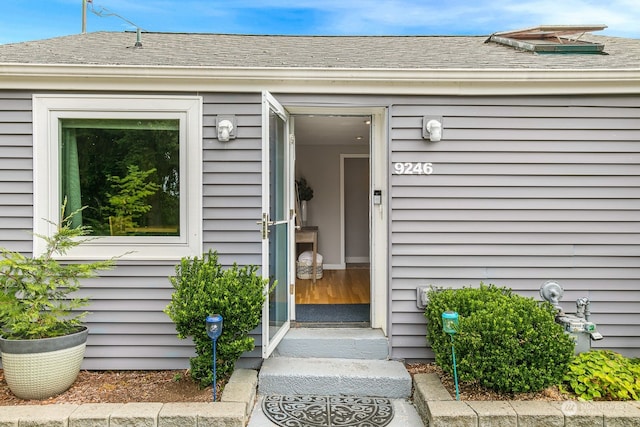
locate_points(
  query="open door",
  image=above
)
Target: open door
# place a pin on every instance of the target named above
(278, 221)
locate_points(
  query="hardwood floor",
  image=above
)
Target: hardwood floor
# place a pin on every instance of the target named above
(350, 286)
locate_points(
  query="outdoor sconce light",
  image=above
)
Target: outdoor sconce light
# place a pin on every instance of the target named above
(432, 128)
(450, 326)
(226, 126)
(214, 330)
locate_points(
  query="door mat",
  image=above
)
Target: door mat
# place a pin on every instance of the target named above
(328, 411)
(332, 312)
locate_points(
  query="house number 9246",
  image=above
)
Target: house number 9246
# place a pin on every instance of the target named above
(412, 168)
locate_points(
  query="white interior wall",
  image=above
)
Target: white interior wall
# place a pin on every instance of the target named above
(320, 165)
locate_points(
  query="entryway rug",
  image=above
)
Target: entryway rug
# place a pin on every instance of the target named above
(328, 411)
(332, 312)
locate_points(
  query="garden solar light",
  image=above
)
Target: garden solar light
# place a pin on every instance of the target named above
(450, 326)
(214, 330)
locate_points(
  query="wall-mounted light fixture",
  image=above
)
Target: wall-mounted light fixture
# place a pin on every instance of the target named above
(432, 128)
(226, 127)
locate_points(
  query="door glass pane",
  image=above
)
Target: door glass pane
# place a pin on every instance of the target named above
(278, 241)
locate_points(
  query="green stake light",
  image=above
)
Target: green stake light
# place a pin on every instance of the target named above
(450, 326)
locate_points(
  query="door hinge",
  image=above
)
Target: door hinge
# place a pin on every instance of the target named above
(292, 289)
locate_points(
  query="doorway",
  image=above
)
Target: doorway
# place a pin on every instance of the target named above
(333, 157)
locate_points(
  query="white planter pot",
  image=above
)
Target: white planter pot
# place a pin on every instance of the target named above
(41, 368)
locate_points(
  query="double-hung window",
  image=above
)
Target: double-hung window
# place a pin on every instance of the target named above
(129, 167)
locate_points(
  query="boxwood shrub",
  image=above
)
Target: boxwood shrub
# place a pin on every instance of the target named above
(505, 342)
(202, 287)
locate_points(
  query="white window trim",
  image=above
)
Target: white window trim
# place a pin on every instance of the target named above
(48, 109)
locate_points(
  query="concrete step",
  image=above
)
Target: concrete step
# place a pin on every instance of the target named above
(334, 377)
(340, 343)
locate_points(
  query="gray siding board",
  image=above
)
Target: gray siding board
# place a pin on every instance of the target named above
(231, 167)
(140, 351)
(486, 273)
(164, 331)
(155, 362)
(18, 187)
(580, 215)
(524, 190)
(514, 227)
(233, 224)
(416, 247)
(138, 340)
(502, 261)
(240, 201)
(526, 134)
(228, 213)
(554, 146)
(16, 128)
(7, 175)
(522, 180)
(529, 238)
(506, 192)
(236, 236)
(236, 178)
(529, 123)
(14, 163)
(435, 203)
(535, 107)
(243, 152)
(533, 158)
(12, 199)
(7, 140)
(232, 189)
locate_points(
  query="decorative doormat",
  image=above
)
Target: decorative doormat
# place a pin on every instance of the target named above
(328, 411)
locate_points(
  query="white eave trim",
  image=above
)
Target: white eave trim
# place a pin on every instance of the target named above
(313, 80)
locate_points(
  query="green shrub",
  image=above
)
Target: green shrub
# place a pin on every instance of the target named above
(603, 374)
(37, 298)
(505, 342)
(202, 288)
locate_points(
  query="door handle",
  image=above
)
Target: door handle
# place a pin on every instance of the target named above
(264, 224)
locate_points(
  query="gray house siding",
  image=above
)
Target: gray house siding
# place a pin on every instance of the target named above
(524, 190)
(16, 188)
(128, 327)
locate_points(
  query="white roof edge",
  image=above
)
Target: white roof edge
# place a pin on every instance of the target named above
(309, 80)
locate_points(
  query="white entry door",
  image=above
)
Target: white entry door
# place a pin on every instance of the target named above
(278, 222)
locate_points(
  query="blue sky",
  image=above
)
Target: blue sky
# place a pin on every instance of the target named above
(22, 20)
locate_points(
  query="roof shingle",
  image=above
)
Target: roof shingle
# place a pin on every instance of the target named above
(318, 52)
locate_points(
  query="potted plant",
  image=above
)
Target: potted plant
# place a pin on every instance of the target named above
(305, 193)
(43, 338)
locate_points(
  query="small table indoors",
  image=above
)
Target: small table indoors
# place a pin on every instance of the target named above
(309, 234)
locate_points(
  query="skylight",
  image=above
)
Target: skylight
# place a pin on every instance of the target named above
(551, 39)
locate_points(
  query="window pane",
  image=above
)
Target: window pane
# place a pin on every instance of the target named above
(126, 173)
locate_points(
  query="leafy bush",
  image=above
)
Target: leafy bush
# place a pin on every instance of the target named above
(603, 374)
(505, 342)
(202, 288)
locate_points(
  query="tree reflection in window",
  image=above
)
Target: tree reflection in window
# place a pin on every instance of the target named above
(125, 171)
